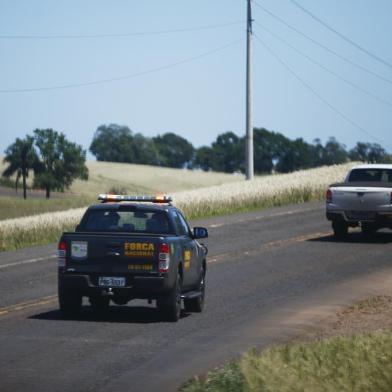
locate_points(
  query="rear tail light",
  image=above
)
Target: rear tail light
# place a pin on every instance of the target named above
(164, 258)
(61, 253)
(328, 196)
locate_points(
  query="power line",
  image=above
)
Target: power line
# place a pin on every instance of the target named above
(354, 85)
(124, 77)
(118, 35)
(313, 91)
(339, 34)
(347, 60)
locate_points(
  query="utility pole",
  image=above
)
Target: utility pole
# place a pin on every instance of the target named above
(249, 125)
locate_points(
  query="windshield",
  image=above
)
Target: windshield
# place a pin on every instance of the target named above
(370, 175)
(126, 220)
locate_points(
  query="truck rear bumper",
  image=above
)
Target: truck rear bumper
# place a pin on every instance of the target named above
(136, 286)
(381, 219)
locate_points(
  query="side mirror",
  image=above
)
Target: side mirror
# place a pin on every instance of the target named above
(200, 232)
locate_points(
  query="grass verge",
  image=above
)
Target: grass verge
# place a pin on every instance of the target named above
(355, 363)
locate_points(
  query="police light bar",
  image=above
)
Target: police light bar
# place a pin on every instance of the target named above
(150, 199)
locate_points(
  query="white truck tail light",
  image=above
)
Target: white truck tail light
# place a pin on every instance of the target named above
(61, 254)
(328, 196)
(164, 258)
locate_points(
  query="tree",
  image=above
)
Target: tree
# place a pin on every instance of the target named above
(228, 155)
(21, 158)
(263, 151)
(367, 152)
(296, 155)
(113, 143)
(60, 161)
(144, 151)
(203, 158)
(334, 153)
(173, 150)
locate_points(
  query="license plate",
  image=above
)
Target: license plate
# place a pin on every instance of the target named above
(106, 281)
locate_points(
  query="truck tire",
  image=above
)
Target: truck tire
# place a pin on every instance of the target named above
(70, 302)
(197, 304)
(99, 304)
(340, 229)
(170, 304)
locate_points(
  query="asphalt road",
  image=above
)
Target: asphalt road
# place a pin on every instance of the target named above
(268, 273)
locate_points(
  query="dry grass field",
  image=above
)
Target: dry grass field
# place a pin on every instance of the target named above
(104, 177)
(142, 179)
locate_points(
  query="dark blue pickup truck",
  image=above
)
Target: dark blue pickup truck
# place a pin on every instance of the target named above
(130, 247)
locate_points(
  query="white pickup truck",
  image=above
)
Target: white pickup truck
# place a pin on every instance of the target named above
(364, 199)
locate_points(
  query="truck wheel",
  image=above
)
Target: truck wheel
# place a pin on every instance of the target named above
(368, 229)
(170, 304)
(340, 229)
(99, 303)
(197, 304)
(70, 302)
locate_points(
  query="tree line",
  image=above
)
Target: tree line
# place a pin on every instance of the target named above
(56, 162)
(273, 152)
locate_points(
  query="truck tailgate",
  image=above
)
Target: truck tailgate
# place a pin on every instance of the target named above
(111, 253)
(361, 199)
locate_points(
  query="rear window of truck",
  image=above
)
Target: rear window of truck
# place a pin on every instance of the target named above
(370, 175)
(126, 220)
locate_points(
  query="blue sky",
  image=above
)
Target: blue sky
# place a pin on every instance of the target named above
(198, 99)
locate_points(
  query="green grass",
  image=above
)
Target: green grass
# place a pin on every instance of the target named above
(357, 363)
(16, 207)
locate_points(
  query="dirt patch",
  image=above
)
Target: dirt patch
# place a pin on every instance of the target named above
(369, 315)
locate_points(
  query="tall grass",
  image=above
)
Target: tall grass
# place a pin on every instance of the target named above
(356, 363)
(38, 229)
(264, 192)
(268, 191)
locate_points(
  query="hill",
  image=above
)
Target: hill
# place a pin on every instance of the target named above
(105, 177)
(143, 179)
